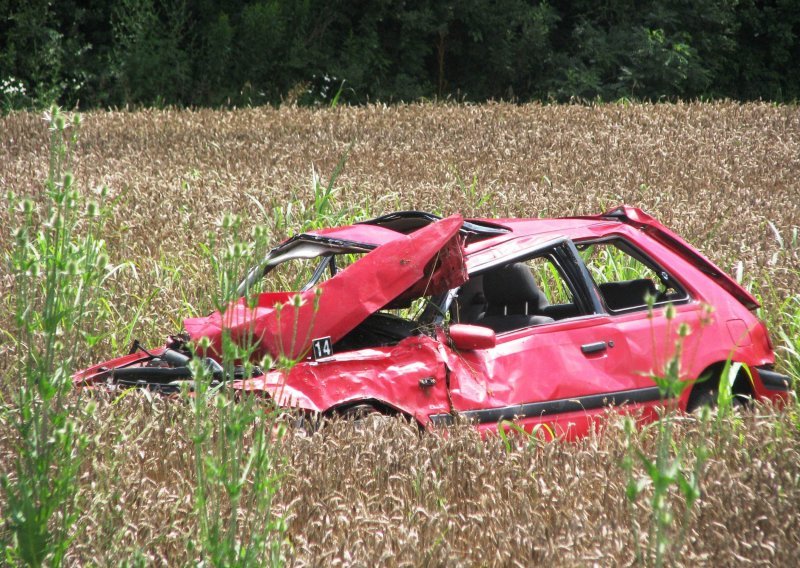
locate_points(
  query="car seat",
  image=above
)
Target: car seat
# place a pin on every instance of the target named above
(627, 294)
(470, 304)
(513, 300)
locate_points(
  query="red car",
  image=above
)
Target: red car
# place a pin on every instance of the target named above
(541, 321)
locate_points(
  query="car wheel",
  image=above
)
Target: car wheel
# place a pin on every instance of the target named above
(366, 418)
(360, 412)
(708, 398)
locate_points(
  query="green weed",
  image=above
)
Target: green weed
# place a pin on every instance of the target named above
(676, 468)
(236, 463)
(59, 267)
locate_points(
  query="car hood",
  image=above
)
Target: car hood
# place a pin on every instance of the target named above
(284, 324)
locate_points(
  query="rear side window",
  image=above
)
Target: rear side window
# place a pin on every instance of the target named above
(626, 277)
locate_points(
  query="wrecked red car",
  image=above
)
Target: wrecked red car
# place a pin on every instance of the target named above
(545, 322)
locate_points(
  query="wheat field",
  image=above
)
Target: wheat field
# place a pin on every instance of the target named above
(726, 176)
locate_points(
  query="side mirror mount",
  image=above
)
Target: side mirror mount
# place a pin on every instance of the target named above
(467, 337)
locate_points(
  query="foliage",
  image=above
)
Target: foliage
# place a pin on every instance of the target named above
(252, 52)
(59, 266)
(150, 61)
(671, 470)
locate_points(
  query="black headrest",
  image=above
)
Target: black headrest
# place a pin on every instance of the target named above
(512, 285)
(628, 293)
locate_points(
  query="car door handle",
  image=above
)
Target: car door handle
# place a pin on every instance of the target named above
(589, 348)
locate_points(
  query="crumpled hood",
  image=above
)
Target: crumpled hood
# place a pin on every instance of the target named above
(283, 324)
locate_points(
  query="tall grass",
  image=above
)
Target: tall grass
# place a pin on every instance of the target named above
(59, 266)
(789, 334)
(781, 303)
(324, 211)
(788, 306)
(237, 466)
(677, 466)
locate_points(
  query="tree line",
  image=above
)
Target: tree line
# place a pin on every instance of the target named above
(112, 53)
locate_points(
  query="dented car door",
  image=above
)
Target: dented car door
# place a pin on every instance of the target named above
(522, 378)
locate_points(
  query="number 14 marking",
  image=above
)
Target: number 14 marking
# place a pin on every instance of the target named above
(322, 347)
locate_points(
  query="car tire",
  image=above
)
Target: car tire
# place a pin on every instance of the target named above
(708, 398)
(360, 412)
(363, 417)
(369, 419)
(366, 417)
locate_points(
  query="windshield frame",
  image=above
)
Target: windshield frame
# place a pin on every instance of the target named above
(304, 246)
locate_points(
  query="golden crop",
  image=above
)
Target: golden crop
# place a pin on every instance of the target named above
(725, 176)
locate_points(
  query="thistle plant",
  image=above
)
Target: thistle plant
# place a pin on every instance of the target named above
(59, 266)
(676, 470)
(237, 464)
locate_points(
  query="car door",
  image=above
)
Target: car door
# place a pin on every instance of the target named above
(557, 374)
(647, 304)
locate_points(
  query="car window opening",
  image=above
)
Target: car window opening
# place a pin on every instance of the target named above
(385, 327)
(626, 278)
(517, 295)
(300, 274)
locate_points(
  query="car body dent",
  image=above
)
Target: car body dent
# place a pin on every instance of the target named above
(389, 375)
(530, 366)
(285, 327)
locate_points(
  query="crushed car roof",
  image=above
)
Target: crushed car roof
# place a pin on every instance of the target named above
(428, 260)
(478, 232)
(484, 233)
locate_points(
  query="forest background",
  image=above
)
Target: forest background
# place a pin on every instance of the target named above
(226, 53)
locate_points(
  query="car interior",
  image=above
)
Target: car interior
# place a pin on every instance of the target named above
(626, 278)
(507, 298)
(522, 294)
(628, 293)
